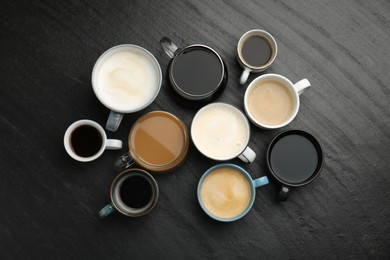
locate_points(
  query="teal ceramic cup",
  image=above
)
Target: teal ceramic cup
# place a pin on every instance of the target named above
(226, 192)
(133, 193)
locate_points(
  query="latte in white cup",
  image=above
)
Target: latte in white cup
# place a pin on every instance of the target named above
(126, 79)
(221, 132)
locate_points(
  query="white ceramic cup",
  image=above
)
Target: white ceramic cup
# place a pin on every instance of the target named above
(245, 65)
(109, 144)
(295, 89)
(117, 112)
(210, 134)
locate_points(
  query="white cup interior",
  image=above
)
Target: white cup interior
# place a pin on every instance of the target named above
(68, 144)
(196, 139)
(286, 83)
(109, 53)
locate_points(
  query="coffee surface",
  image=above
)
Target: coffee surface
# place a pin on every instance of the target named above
(157, 138)
(127, 79)
(135, 191)
(270, 102)
(256, 51)
(219, 131)
(197, 71)
(86, 140)
(294, 158)
(226, 192)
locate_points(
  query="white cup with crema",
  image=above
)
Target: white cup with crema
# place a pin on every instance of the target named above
(221, 132)
(272, 101)
(126, 78)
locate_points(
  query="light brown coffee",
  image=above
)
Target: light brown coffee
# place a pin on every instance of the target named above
(226, 192)
(270, 102)
(158, 141)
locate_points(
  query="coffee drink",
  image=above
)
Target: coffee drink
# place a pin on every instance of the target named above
(127, 79)
(135, 191)
(256, 51)
(86, 140)
(220, 131)
(226, 192)
(270, 102)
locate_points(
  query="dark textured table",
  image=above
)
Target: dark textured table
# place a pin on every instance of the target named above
(49, 202)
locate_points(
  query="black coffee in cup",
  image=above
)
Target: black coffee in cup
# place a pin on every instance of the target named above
(136, 191)
(256, 51)
(86, 140)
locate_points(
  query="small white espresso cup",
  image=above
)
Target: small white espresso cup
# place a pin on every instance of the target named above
(294, 89)
(248, 68)
(85, 140)
(221, 132)
(126, 78)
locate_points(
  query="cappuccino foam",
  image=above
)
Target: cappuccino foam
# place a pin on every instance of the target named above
(220, 131)
(226, 192)
(127, 80)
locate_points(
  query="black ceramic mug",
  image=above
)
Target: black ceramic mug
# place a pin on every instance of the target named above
(294, 159)
(197, 72)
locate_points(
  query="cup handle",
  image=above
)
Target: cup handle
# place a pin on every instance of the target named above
(169, 46)
(260, 181)
(283, 193)
(113, 144)
(301, 86)
(107, 210)
(113, 121)
(124, 162)
(248, 155)
(244, 76)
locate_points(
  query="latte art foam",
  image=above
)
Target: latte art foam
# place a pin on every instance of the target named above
(127, 80)
(220, 132)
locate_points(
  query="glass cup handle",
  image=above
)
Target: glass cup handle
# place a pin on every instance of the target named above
(248, 155)
(169, 46)
(107, 210)
(283, 193)
(113, 121)
(301, 86)
(124, 162)
(244, 76)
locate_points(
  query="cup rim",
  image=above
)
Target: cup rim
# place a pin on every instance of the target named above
(242, 171)
(154, 199)
(246, 123)
(185, 94)
(67, 141)
(107, 52)
(285, 81)
(271, 41)
(312, 139)
(161, 167)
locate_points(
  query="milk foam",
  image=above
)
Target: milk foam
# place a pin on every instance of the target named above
(219, 131)
(127, 80)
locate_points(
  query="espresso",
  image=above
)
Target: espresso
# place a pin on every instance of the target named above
(294, 158)
(158, 138)
(197, 71)
(270, 102)
(127, 79)
(256, 51)
(220, 131)
(226, 192)
(86, 141)
(136, 192)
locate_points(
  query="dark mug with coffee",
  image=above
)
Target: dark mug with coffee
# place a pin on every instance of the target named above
(294, 159)
(133, 193)
(197, 73)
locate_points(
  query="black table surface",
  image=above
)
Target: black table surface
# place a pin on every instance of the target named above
(49, 202)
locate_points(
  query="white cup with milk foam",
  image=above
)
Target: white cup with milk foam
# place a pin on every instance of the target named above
(126, 78)
(221, 132)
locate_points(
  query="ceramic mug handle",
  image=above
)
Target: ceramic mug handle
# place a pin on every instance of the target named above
(260, 181)
(248, 155)
(301, 86)
(107, 210)
(283, 193)
(113, 121)
(169, 46)
(113, 144)
(244, 76)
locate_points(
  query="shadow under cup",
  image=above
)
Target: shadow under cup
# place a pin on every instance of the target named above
(294, 159)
